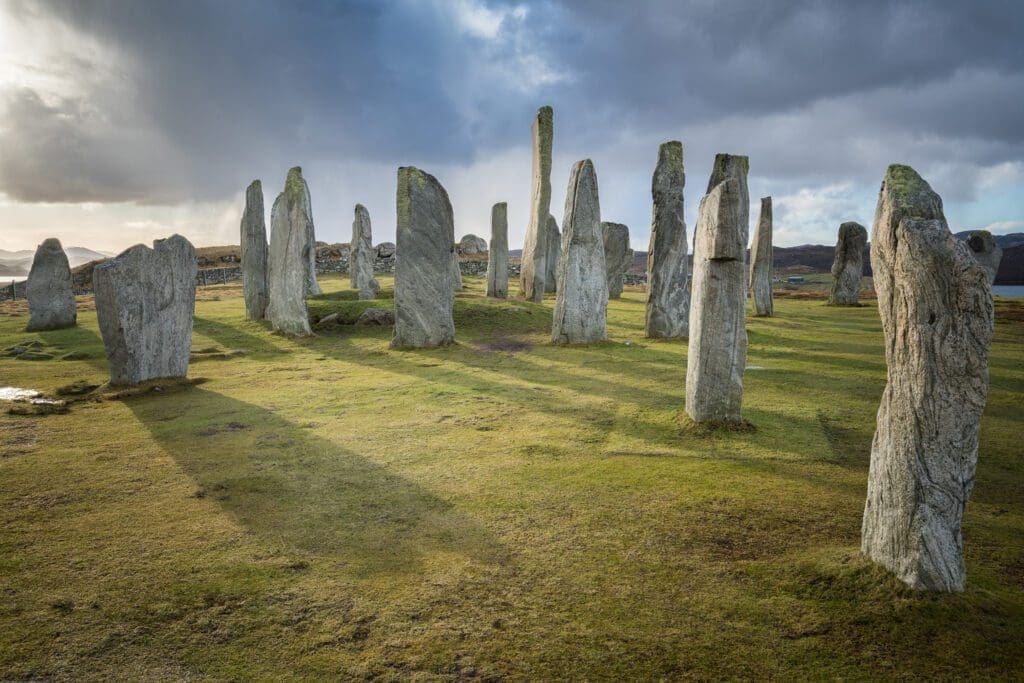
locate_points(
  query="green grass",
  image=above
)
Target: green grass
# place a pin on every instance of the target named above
(502, 509)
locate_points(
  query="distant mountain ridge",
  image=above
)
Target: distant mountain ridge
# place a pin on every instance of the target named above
(16, 264)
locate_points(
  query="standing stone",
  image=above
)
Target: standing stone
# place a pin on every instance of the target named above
(301, 210)
(718, 339)
(848, 265)
(145, 300)
(533, 269)
(49, 289)
(471, 245)
(554, 254)
(254, 253)
(617, 256)
(935, 303)
(362, 256)
(497, 254)
(424, 286)
(289, 259)
(986, 252)
(582, 301)
(456, 271)
(668, 277)
(761, 267)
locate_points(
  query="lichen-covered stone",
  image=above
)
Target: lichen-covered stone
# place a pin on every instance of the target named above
(301, 212)
(254, 253)
(718, 338)
(497, 254)
(362, 256)
(288, 259)
(848, 265)
(617, 256)
(668, 276)
(456, 271)
(581, 304)
(986, 252)
(424, 283)
(145, 301)
(385, 250)
(553, 256)
(471, 244)
(49, 289)
(533, 269)
(935, 303)
(761, 262)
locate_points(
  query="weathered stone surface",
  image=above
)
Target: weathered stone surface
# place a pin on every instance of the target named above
(254, 253)
(424, 285)
(145, 301)
(386, 250)
(935, 303)
(301, 212)
(533, 270)
(761, 257)
(553, 256)
(49, 289)
(379, 317)
(668, 277)
(456, 272)
(471, 244)
(288, 259)
(848, 266)
(362, 256)
(718, 339)
(497, 255)
(581, 304)
(617, 256)
(986, 252)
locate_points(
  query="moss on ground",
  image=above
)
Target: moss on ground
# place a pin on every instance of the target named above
(326, 508)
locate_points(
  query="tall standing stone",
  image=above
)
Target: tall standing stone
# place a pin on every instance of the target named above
(935, 303)
(456, 271)
(362, 256)
(289, 258)
(497, 253)
(581, 304)
(554, 254)
(718, 339)
(254, 253)
(986, 252)
(424, 286)
(145, 301)
(668, 277)
(761, 267)
(533, 268)
(617, 256)
(301, 211)
(848, 265)
(49, 289)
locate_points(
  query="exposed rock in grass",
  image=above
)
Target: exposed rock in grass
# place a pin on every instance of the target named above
(49, 290)
(376, 317)
(76, 355)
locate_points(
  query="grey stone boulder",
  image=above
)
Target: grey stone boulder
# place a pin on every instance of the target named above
(497, 255)
(362, 256)
(935, 303)
(145, 302)
(667, 315)
(379, 317)
(533, 266)
(986, 252)
(553, 256)
(254, 253)
(848, 265)
(386, 249)
(288, 260)
(580, 315)
(471, 245)
(761, 267)
(617, 256)
(49, 289)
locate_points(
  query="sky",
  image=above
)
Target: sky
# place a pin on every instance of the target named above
(126, 121)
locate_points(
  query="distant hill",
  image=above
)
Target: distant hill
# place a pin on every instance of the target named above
(16, 264)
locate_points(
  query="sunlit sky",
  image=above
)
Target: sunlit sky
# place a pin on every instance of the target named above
(126, 121)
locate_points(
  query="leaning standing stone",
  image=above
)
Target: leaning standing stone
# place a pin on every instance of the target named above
(49, 289)
(935, 303)
(718, 339)
(301, 211)
(362, 256)
(553, 256)
(497, 253)
(986, 252)
(761, 267)
(668, 277)
(289, 259)
(424, 286)
(582, 301)
(617, 256)
(145, 300)
(254, 253)
(848, 265)
(533, 271)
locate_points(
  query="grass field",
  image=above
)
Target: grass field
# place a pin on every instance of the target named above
(328, 508)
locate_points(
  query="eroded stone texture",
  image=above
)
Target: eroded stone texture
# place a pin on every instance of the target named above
(424, 285)
(761, 258)
(848, 265)
(718, 339)
(935, 303)
(300, 211)
(288, 259)
(668, 276)
(553, 256)
(497, 255)
(581, 304)
(456, 271)
(533, 271)
(986, 252)
(49, 289)
(254, 253)
(617, 256)
(471, 244)
(145, 301)
(362, 256)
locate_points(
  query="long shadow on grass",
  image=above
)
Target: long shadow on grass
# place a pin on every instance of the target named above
(304, 493)
(231, 337)
(79, 338)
